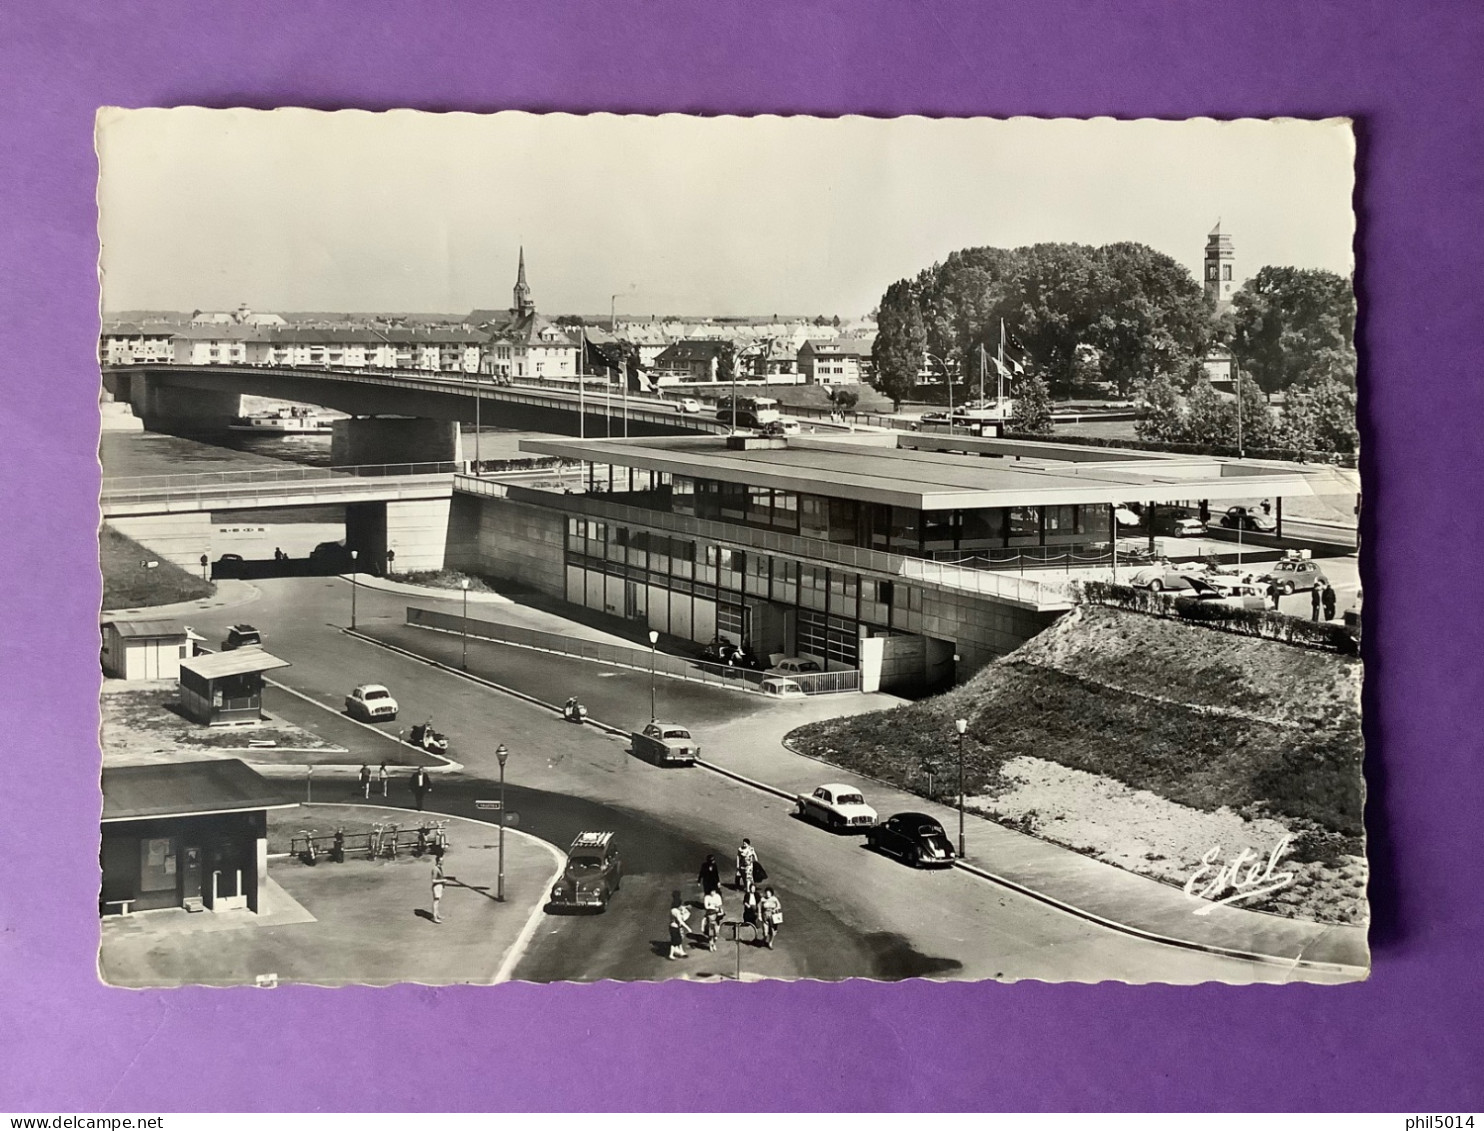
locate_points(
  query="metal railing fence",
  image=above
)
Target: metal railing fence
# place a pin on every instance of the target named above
(623, 656)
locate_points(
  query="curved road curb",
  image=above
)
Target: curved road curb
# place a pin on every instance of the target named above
(970, 869)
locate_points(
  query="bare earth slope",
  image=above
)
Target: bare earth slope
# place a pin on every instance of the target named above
(1147, 742)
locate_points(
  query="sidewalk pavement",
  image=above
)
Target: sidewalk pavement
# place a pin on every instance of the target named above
(362, 922)
(229, 592)
(750, 747)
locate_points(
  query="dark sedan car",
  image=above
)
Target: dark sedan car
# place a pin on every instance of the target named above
(1245, 518)
(914, 838)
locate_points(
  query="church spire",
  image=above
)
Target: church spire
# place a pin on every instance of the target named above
(522, 293)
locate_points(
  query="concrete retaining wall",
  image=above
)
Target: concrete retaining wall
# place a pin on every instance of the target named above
(511, 541)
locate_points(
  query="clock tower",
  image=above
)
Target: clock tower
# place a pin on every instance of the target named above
(1220, 265)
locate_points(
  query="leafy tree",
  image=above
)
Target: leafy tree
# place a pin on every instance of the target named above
(1209, 420)
(1032, 411)
(845, 399)
(1320, 418)
(1164, 411)
(1149, 315)
(1256, 418)
(901, 341)
(726, 363)
(1295, 326)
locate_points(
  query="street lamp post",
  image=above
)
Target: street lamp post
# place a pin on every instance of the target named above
(961, 725)
(464, 658)
(654, 639)
(947, 380)
(354, 559)
(501, 754)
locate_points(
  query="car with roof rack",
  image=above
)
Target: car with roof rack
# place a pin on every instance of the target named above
(592, 874)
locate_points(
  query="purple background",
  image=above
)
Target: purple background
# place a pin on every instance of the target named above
(1409, 1039)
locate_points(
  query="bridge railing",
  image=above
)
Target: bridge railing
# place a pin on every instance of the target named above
(148, 484)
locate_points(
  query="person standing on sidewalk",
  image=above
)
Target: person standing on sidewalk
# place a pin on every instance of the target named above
(365, 781)
(770, 910)
(1317, 598)
(746, 859)
(421, 784)
(679, 921)
(1329, 601)
(383, 777)
(710, 876)
(437, 888)
(1275, 594)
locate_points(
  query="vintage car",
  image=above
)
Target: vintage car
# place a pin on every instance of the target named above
(914, 838)
(793, 665)
(1162, 576)
(1245, 518)
(1293, 574)
(593, 873)
(1126, 516)
(242, 636)
(780, 687)
(666, 744)
(1221, 589)
(1188, 528)
(837, 807)
(687, 405)
(371, 702)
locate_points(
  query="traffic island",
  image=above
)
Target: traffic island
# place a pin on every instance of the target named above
(361, 922)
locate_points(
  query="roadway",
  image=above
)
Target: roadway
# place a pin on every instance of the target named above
(849, 912)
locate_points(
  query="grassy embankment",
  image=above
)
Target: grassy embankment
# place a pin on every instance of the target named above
(129, 584)
(1262, 734)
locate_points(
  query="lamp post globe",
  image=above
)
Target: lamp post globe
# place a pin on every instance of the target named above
(354, 567)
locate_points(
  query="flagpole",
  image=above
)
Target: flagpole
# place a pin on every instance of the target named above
(581, 388)
(981, 374)
(1000, 374)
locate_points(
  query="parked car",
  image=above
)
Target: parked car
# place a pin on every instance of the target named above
(1125, 517)
(228, 565)
(666, 744)
(836, 807)
(1188, 528)
(933, 418)
(242, 636)
(1293, 574)
(1162, 576)
(785, 427)
(914, 838)
(780, 688)
(593, 873)
(330, 557)
(793, 665)
(1245, 518)
(372, 703)
(687, 404)
(1236, 594)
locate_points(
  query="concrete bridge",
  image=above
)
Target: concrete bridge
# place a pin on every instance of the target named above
(418, 412)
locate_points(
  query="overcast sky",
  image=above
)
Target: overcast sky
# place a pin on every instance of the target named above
(353, 211)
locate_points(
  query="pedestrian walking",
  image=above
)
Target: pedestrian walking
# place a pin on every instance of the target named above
(1317, 599)
(365, 781)
(713, 911)
(421, 785)
(749, 910)
(710, 877)
(1329, 601)
(746, 860)
(437, 888)
(679, 921)
(1275, 593)
(770, 910)
(1267, 506)
(383, 777)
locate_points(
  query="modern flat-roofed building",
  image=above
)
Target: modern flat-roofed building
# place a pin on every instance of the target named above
(891, 555)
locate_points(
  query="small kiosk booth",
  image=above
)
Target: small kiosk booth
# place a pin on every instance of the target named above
(146, 649)
(187, 834)
(221, 688)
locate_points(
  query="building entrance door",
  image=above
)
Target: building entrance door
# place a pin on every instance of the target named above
(190, 876)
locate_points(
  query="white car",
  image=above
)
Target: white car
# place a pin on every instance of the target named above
(780, 688)
(1125, 517)
(783, 426)
(371, 702)
(793, 665)
(1189, 528)
(687, 404)
(837, 807)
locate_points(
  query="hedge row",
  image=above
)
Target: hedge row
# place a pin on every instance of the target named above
(1267, 624)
